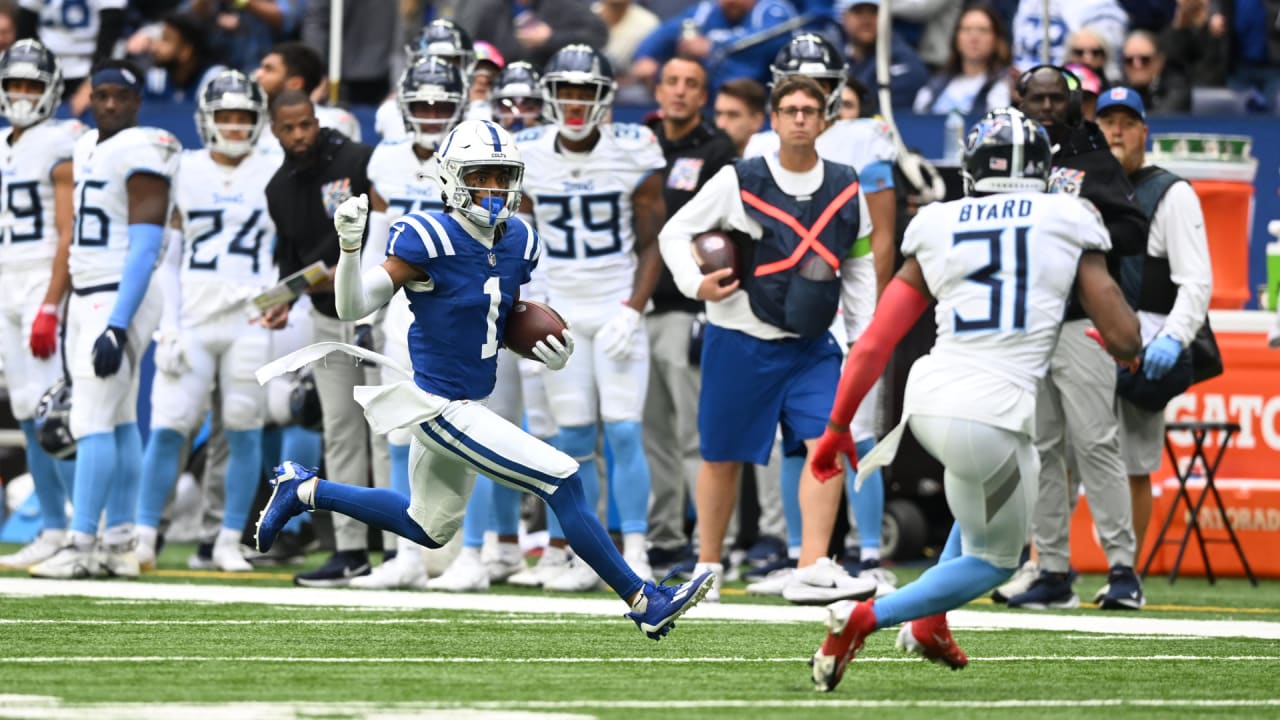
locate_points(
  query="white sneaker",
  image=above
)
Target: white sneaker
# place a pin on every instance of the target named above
(69, 563)
(467, 573)
(713, 595)
(886, 582)
(227, 556)
(119, 560)
(145, 550)
(46, 544)
(505, 561)
(401, 572)
(773, 583)
(578, 577)
(553, 562)
(1019, 583)
(826, 582)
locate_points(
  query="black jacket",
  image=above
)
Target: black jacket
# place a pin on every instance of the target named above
(302, 197)
(1103, 182)
(691, 161)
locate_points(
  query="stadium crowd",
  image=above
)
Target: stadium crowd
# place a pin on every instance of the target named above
(118, 235)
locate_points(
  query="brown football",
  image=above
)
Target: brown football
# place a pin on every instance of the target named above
(714, 250)
(528, 323)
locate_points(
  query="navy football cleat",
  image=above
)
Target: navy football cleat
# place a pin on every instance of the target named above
(656, 612)
(283, 503)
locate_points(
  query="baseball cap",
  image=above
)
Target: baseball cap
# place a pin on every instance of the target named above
(845, 5)
(1124, 97)
(1089, 80)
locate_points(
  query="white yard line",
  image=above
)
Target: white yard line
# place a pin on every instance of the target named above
(1124, 624)
(91, 659)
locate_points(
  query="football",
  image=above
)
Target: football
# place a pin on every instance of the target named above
(714, 250)
(528, 323)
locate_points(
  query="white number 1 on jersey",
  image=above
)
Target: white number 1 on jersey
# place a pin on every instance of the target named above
(494, 291)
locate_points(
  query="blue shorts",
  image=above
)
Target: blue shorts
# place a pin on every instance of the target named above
(750, 385)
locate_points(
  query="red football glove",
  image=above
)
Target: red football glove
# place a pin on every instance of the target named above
(44, 332)
(825, 461)
(1131, 366)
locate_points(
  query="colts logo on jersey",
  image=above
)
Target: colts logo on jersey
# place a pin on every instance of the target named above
(332, 194)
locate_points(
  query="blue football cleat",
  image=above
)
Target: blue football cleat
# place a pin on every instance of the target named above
(283, 503)
(656, 612)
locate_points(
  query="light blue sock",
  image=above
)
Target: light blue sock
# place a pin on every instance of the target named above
(95, 472)
(868, 503)
(122, 501)
(631, 468)
(399, 467)
(612, 520)
(579, 443)
(159, 473)
(475, 520)
(272, 438)
(48, 485)
(244, 472)
(943, 587)
(377, 507)
(504, 510)
(66, 470)
(588, 538)
(792, 467)
(951, 550)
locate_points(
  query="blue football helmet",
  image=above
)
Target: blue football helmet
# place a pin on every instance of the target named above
(1006, 151)
(53, 421)
(230, 90)
(29, 60)
(432, 81)
(444, 39)
(582, 66)
(814, 56)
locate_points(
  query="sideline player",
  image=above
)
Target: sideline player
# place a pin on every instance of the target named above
(1001, 263)
(462, 270)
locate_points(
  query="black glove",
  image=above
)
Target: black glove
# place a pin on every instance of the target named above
(108, 351)
(364, 337)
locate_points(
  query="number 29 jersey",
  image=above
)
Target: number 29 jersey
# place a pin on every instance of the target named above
(1001, 268)
(582, 203)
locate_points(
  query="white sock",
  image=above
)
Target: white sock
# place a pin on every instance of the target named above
(555, 555)
(307, 492)
(227, 536)
(147, 536)
(870, 554)
(509, 552)
(634, 545)
(119, 534)
(471, 554)
(793, 552)
(83, 540)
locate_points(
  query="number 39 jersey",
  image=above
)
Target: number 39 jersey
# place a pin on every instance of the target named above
(460, 310)
(228, 235)
(100, 240)
(1001, 268)
(582, 202)
(27, 222)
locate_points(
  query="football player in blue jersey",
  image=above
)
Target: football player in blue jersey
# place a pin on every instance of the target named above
(462, 270)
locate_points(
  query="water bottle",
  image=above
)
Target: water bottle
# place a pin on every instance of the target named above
(953, 137)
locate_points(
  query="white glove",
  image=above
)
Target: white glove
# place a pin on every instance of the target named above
(615, 337)
(349, 221)
(171, 353)
(552, 352)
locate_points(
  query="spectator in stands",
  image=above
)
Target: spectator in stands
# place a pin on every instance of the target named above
(739, 110)
(731, 38)
(180, 61)
(907, 73)
(1164, 88)
(8, 26)
(1197, 41)
(531, 30)
(1087, 47)
(368, 46)
(851, 96)
(934, 22)
(629, 23)
(1106, 18)
(242, 31)
(975, 79)
(81, 38)
(1091, 86)
(1255, 48)
(489, 63)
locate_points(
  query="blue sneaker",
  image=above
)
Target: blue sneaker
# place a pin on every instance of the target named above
(1049, 591)
(283, 503)
(656, 611)
(1123, 591)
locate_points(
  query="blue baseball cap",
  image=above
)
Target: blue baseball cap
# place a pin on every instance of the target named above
(1124, 97)
(843, 6)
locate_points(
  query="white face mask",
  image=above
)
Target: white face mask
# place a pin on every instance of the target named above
(22, 109)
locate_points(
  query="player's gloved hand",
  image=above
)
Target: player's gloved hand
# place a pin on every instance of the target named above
(553, 352)
(825, 461)
(171, 353)
(349, 221)
(1160, 356)
(615, 337)
(44, 332)
(108, 351)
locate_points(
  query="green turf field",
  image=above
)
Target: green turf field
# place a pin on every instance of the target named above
(64, 656)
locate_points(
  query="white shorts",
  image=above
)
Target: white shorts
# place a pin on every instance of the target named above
(1141, 437)
(593, 385)
(228, 349)
(21, 294)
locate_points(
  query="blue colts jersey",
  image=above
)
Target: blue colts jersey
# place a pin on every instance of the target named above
(460, 310)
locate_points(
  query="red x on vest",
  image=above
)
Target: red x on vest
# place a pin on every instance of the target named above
(808, 236)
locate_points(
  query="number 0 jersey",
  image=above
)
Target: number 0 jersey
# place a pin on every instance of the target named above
(100, 240)
(582, 202)
(460, 310)
(28, 229)
(228, 236)
(1001, 268)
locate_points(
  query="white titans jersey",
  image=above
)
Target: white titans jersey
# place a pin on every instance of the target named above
(1002, 268)
(582, 203)
(330, 117)
(100, 240)
(28, 230)
(228, 236)
(69, 28)
(856, 143)
(407, 183)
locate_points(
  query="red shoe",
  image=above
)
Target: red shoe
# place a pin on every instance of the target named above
(848, 625)
(930, 638)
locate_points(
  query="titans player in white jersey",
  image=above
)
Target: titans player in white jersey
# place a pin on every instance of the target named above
(596, 191)
(462, 270)
(219, 257)
(1001, 264)
(122, 174)
(36, 208)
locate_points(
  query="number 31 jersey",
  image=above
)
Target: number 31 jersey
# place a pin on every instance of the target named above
(582, 202)
(27, 222)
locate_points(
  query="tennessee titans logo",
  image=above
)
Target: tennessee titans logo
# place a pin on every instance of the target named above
(332, 194)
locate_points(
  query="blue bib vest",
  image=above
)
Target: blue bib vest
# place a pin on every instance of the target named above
(793, 270)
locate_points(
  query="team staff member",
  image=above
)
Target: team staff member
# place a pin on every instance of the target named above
(321, 169)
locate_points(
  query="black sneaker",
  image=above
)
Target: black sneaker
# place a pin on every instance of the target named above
(337, 571)
(288, 549)
(1050, 591)
(1124, 590)
(767, 550)
(662, 560)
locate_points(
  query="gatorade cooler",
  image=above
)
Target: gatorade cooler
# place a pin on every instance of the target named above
(1221, 169)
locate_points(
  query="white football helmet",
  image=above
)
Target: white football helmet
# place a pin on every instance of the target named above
(580, 65)
(29, 60)
(474, 145)
(230, 90)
